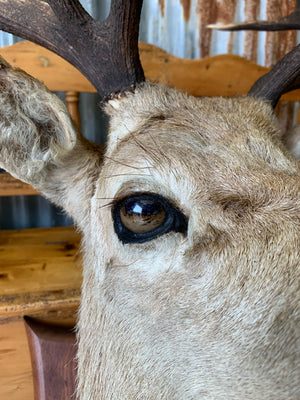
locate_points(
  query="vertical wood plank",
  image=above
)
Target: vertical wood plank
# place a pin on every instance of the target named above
(16, 381)
(53, 351)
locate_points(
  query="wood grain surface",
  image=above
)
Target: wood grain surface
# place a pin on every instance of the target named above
(222, 75)
(53, 358)
(16, 382)
(40, 271)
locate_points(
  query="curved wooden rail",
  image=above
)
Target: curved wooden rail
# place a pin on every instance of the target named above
(223, 75)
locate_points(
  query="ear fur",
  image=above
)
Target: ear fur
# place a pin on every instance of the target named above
(40, 145)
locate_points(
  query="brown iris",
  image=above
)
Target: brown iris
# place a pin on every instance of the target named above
(142, 215)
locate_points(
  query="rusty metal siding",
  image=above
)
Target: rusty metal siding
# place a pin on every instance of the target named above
(180, 27)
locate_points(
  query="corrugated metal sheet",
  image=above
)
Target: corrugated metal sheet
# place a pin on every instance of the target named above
(179, 27)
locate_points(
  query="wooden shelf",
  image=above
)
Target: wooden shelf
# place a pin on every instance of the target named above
(40, 272)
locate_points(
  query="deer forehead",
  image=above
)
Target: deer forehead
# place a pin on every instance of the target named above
(151, 104)
(225, 127)
(191, 145)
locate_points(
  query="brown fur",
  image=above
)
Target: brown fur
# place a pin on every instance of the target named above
(211, 315)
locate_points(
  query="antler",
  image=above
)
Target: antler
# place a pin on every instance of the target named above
(291, 21)
(283, 77)
(105, 52)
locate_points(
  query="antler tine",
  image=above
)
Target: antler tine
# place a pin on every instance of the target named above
(283, 77)
(19, 17)
(290, 22)
(105, 52)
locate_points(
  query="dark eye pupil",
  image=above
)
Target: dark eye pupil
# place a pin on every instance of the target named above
(142, 215)
(145, 216)
(143, 207)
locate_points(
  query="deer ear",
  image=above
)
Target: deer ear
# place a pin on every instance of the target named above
(39, 143)
(34, 122)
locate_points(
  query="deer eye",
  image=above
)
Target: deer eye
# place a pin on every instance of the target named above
(145, 216)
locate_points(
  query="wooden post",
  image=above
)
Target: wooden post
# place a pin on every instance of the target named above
(53, 351)
(72, 100)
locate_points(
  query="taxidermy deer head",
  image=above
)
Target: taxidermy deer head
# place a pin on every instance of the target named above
(190, 220)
